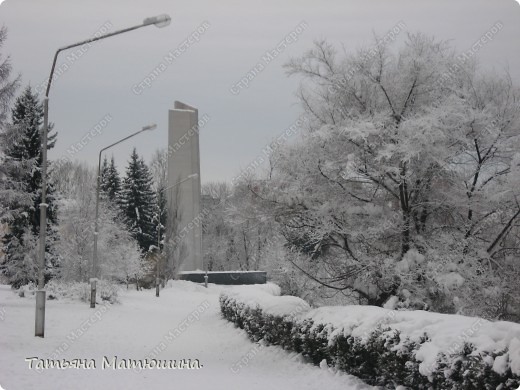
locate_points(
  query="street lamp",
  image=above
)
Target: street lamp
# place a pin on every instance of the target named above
(192, 176)
(93, 279)
(39, 331)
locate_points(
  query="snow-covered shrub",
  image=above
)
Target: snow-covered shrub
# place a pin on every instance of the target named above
(107, 291)
(27, 290)
(383, 349)
(56, 289)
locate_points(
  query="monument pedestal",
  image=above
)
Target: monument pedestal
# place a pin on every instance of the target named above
(226, 277)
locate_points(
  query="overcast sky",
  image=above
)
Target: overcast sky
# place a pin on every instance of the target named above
(104, 81)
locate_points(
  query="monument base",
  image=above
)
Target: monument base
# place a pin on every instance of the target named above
(225, 277)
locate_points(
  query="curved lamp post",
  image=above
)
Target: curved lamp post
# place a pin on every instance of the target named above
(93, 278)
(39, 331)
(192, 176)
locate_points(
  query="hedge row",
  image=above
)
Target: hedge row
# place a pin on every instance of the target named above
(374, 359)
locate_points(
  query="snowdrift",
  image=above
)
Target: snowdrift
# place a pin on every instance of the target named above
(417, 349)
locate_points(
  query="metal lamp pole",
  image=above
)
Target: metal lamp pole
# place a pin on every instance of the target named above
(39, 331)
(192, 176)
(93, 278)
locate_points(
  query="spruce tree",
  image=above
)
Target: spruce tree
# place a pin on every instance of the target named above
(110, 181)
(21, 162)
(138, 202)
(113, 182)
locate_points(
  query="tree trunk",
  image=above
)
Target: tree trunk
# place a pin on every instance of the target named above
(405, 209)
(405, 235)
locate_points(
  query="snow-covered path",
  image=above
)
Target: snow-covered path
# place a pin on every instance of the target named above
(133, 330)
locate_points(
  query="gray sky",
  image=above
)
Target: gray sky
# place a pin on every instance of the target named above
(237, 34)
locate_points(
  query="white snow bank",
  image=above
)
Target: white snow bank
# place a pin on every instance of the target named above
(268, 288)
(267, 297)
(142, 327)
(447, 332)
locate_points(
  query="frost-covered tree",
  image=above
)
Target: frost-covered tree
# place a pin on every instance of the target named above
(22, 267)
(174, 250)
(159, 167)
(235, 234)
(218, 244)
(76, 221)
(161, 214)
(118, 255)
(21, 162)
(405, 180)
(8, 86)
(126, 263)
(254, 233)
(159, 170)
(138, 202)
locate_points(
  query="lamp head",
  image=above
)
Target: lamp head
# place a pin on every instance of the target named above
(149, 127)
(159, 21)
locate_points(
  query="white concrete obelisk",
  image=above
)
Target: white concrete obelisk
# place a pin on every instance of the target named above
(184, 228)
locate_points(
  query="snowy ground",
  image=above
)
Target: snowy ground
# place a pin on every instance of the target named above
(184, 323)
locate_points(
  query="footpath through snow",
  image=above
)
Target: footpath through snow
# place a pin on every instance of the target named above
(183, 323)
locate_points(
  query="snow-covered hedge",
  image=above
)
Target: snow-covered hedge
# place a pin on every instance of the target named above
(416, 349)
(106, 291)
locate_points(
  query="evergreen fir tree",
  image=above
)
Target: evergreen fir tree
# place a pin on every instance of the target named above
(110, 181)
(138, 202)
(113, 182)
(21, 162)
